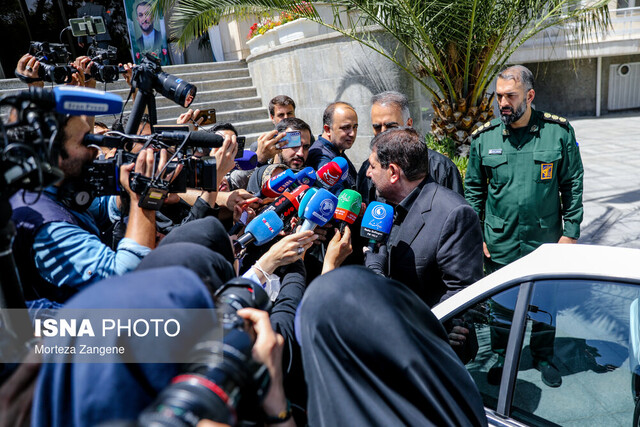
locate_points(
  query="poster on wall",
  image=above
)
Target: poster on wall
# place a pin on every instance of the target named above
(146, 32)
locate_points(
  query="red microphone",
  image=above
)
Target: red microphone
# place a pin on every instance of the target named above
(329, 175)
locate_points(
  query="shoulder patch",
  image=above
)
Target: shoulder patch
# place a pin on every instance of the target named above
(555, 119)
(485, 127)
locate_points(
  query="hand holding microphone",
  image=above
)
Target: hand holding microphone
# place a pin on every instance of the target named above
(376, 226)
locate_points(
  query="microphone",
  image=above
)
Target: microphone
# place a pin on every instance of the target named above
(74, 100)
(277, 185)
(348, 209)
(377, 223)
(194, 139)
(319, 210)
(305, 200)
(262, 229)
(286, 206)
(247, 160)
(344, 165)
(329, 175)
(306, 176)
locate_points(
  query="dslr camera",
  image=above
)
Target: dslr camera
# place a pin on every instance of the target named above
(54, 60)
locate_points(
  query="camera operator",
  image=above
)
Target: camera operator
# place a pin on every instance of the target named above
(57, 248)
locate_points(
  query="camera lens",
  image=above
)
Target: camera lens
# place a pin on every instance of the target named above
(179, 91)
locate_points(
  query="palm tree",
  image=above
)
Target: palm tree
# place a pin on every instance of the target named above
(454, 48)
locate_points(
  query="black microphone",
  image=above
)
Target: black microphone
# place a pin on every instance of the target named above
(194, 139)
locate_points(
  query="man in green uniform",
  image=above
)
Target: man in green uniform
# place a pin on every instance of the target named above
(524, 180)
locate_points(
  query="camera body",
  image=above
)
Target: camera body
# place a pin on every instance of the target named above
(54, 59)
(102, 70)
(149, 76)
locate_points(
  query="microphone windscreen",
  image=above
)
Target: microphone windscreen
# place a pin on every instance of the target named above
(329, 175)
(278, 184)
(85, 101)
(321, 207)
(344, 166)
(349, 204)
(265, 227)
(306, 176)
(247, 161)
(305, 199)
(377, 221)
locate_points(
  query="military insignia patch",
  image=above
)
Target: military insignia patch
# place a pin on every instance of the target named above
(546, 171)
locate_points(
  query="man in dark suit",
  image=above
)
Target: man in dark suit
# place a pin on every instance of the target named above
(151, 39)
(435, 245)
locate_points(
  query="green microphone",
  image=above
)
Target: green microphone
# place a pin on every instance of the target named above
(349, 204)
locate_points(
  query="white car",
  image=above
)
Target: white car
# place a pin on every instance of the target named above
(574, 307)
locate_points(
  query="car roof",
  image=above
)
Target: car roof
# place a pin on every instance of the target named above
(551, 261)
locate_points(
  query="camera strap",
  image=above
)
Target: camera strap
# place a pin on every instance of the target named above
(26, 79)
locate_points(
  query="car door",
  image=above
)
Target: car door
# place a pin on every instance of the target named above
(586, 330)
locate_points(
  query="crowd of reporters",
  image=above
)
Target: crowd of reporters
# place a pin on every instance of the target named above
(277, 219)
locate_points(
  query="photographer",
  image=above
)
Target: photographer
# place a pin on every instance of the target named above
(57, 248)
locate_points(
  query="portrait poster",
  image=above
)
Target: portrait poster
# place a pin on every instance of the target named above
(146, 32)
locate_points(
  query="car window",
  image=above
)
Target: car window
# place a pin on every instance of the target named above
(489, 323)
(580, 355)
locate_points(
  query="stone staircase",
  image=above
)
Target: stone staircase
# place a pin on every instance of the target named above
(225, 86)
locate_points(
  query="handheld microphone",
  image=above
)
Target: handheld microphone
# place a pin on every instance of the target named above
(194, 139)
(305, 200)
(377, 223)
(348, 209)
(74, 100)
(319, 209)
(247, 160)
(277, 185)
(344, 165)
(306, 176)
(262, 229)
(329, 175)
(286, 206)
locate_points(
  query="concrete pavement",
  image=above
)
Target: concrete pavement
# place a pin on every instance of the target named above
(610, 149)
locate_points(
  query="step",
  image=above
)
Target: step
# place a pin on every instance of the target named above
(204, 66)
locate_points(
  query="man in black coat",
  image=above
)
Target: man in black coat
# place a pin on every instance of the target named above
(435, 245)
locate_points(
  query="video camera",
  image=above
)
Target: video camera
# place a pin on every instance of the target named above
(223, 383)
(101, 70)
(54, 61)
(102, 176)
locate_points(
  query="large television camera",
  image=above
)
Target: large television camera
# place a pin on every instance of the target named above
(54, 61)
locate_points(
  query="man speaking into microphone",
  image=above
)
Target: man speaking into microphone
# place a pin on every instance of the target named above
(435, 244)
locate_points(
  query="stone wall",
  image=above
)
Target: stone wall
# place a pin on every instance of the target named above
(319, 70)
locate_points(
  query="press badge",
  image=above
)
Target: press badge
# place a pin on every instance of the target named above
(546, 171)
(495, 151)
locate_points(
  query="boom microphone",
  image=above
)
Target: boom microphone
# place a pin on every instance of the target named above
(194, 139)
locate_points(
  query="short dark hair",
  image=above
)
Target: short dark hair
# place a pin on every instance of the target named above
(280, 100)
(224, 126)
(404, 147)
(295, 124)
(519, 73)
(327, 116)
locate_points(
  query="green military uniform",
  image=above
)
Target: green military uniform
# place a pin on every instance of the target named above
(525, 184)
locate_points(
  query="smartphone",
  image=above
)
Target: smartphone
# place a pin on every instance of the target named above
(292, 139)
(241, 141)
(209, 117)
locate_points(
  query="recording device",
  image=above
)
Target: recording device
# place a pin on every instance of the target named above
(348, 209)
(286, 206)
(344, 166)
(186, 127)
(376, 223)
(208, 116)
(102, 69)
(319, 210)
(222, 383)
(149, 77)
(54, 61)
(261, 230)
(306, 176)
(292, 139)
(277, 185)
(304, 200)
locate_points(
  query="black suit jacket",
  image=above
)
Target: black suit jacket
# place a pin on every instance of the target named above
(438, 249)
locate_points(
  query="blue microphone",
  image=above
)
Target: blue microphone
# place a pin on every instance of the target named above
(247, 161)
(319, 209)
(377, 223)
(305, 200)
(344, 165)
(277, 185)
(261, 230)
(306, 176)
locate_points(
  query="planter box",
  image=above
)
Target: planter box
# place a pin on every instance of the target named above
(297, 30)
(263, 42)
